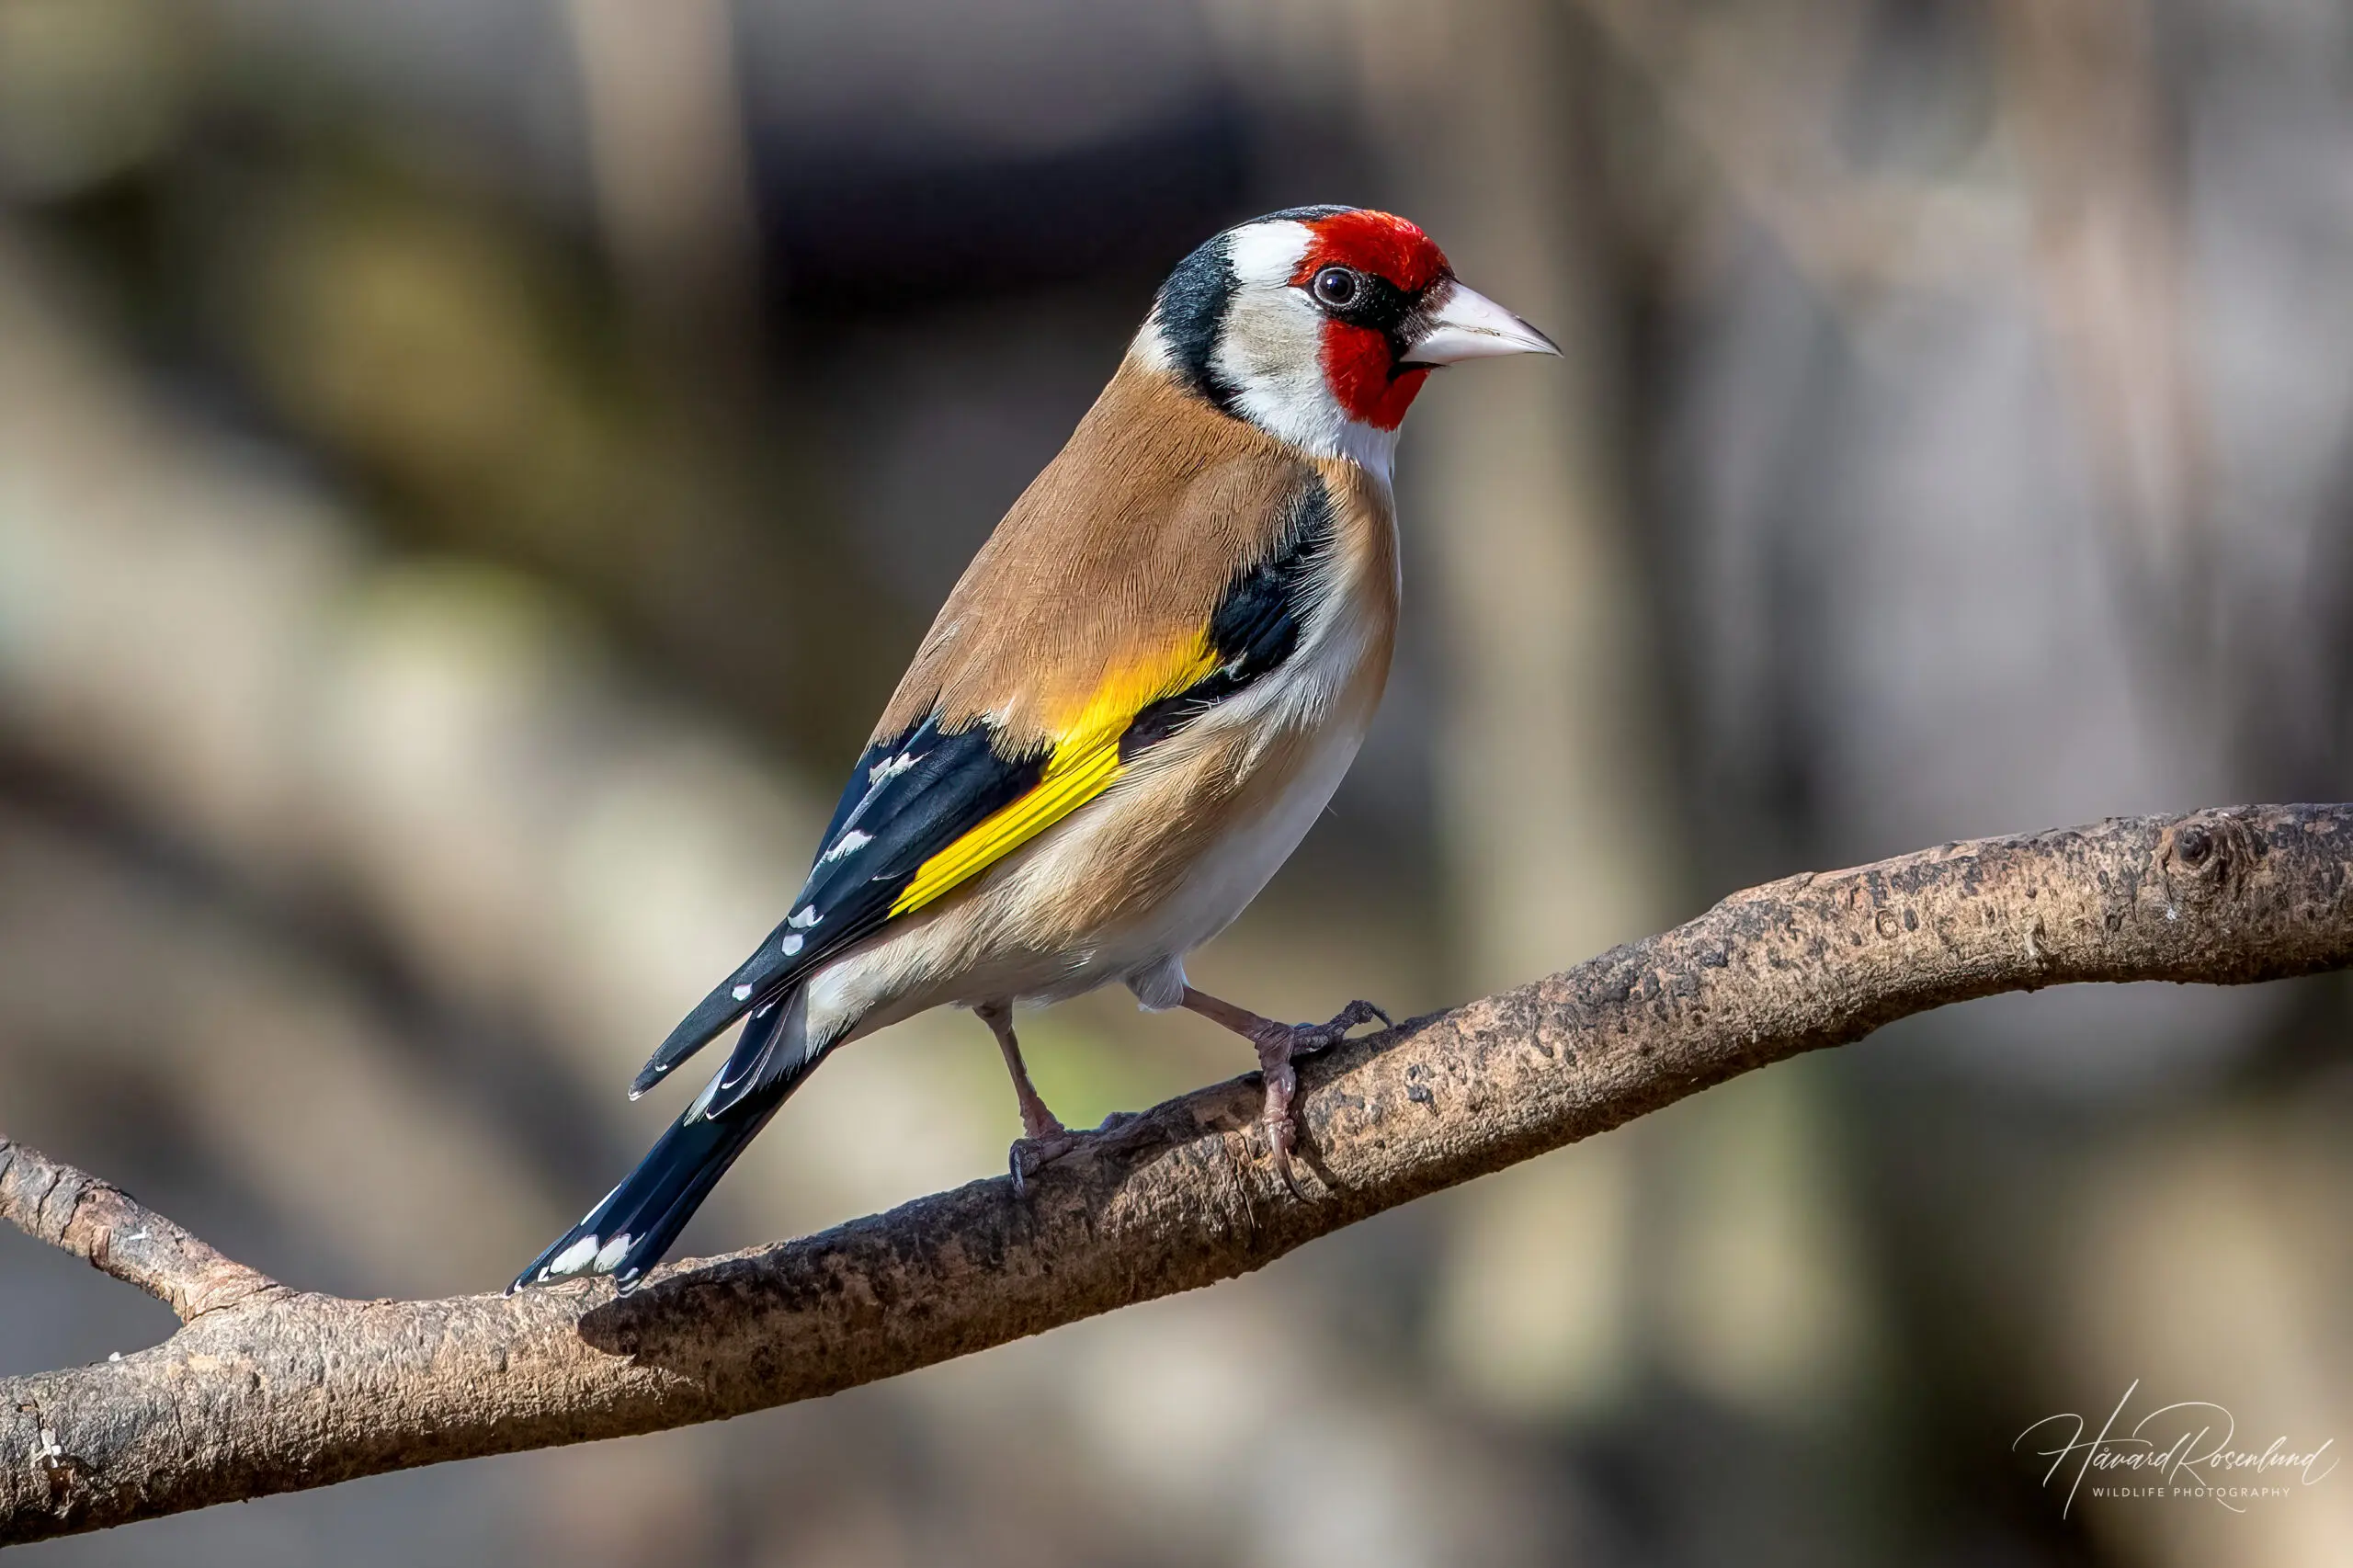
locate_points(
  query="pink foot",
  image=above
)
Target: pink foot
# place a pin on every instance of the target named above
(1278, 1045)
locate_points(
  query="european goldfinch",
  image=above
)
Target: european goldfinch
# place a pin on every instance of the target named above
(1135, 702)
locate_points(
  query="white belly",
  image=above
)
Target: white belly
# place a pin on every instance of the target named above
(1227, 877)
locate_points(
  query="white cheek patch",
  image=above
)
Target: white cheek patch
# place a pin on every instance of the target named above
(1272, 346)
(1271, 353)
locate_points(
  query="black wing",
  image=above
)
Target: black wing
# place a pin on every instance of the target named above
(911, 796)
(1256, 627)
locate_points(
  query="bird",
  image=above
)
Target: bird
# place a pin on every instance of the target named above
(1133, 706)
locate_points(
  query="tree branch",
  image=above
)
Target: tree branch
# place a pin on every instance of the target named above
(118, 1235)
(268, 1389)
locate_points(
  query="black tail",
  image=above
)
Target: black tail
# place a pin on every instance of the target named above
(629, 1231)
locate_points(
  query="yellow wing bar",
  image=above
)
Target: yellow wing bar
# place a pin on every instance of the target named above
(1086, 761)
(1071, 778)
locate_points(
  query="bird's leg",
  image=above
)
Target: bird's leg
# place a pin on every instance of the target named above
(1276, 1044)
(1044, 1139)
(1037, 1121)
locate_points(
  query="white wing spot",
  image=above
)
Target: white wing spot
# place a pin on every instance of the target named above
(741, 992)
(575, 1257)
(804, 917)
(849, 843)
(791, 945)
(892, 768)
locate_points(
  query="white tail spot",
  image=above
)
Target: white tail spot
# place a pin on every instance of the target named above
(575, 1257)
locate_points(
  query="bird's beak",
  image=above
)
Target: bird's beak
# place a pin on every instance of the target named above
(1462, 323)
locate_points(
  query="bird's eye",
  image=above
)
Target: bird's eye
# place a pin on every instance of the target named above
(1337, 288)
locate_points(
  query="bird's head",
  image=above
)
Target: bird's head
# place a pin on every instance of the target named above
(1319, 325)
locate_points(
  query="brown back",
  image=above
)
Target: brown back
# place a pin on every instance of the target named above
(1117, 554)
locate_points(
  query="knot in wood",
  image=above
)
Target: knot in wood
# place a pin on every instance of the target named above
(2209, 856)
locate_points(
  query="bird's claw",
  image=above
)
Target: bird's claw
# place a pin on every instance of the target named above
(1029, 1156)
(1278, 1045)
(1042, 1147)
(1309, 1039)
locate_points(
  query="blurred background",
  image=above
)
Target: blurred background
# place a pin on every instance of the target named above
(471, 470)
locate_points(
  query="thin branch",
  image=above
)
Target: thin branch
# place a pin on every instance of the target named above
(119, 1235)
(282, 1390)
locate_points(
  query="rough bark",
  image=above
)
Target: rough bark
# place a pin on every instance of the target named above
(268, 1389)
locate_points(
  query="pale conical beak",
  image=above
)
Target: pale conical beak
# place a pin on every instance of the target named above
(1463, 323)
